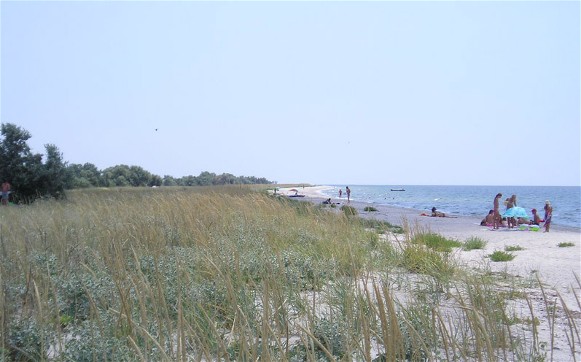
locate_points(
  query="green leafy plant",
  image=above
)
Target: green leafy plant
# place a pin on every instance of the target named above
(474, 243)
(369, 208)
(565, 245)
(499, 255)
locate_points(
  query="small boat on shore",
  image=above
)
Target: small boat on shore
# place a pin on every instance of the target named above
(397, 190)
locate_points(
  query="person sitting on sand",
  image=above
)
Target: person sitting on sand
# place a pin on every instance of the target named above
(489, 219)
(327, 202)
(436, 213)
(536, 218)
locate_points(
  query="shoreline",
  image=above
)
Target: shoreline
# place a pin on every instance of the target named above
(541, 256)
(315, 193)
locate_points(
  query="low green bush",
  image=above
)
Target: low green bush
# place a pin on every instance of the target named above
(565, 245)
(499, 255)
(474, 243)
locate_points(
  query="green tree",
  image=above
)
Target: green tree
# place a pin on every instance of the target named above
(85, 175)
(206, 178)
(169, 181)
(116, 176)
(54, 174)
(30, 178)
(139, 177)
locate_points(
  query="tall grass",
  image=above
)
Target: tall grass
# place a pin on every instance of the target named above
(230, 273)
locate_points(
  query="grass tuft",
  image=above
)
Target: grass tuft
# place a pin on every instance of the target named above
(474, 243)
(499, 256)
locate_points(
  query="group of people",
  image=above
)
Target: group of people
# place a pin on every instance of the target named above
(347, 191)
(515, 215)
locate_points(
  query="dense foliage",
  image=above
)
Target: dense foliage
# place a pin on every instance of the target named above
(88, 175)
(34, 176)
(29, 176)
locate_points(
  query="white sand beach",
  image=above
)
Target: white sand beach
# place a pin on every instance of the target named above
(556, 267)
(542, 255)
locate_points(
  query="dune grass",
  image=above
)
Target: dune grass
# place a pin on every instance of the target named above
(231, 273)
(474, 243)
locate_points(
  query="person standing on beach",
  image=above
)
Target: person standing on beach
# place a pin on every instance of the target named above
(495, 208)
(5, 192)
(510, 203)
(348, 191)
(340, 193)
(548, 215)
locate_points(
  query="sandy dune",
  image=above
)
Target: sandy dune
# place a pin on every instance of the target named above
(556, 267)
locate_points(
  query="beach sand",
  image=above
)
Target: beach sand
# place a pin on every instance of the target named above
(556, 267)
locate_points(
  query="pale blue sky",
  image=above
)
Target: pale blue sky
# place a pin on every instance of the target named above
(473, 93)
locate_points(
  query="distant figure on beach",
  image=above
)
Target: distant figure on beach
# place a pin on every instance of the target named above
(340, 193)
(536, 218)
(488, 219)
(348, 191)
(436, 213)
(495, 208)
(548, 215)
(327, 202)
(5, 192)
(510, 203)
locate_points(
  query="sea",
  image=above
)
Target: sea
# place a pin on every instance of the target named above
(473, 201)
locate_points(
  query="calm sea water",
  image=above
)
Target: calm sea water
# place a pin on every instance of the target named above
(471, 200)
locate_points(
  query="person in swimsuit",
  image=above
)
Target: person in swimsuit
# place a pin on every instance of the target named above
(548, 215)
(536, 218)
(496, 205)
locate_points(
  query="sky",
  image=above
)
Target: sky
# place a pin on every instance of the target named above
(367, 93)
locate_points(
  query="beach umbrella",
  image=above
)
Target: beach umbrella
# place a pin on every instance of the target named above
(515, 212)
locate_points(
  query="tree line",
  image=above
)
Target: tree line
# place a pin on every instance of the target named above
(33, 176)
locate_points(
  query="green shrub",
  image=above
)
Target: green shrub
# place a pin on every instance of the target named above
(499, 255)
(513, 248)
(25, 340)
(369, 208)
(474, 243)
(565, 245)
